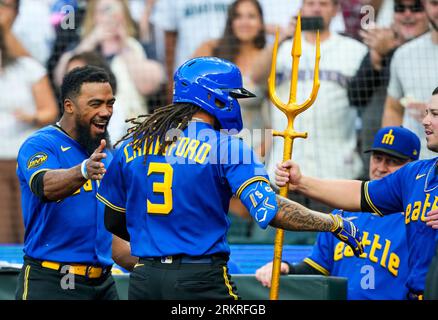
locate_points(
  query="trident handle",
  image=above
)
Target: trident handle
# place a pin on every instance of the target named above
(291, 110)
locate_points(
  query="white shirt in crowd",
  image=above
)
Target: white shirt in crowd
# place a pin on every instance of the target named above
(414, 75)
(16, 81)
(330, 149)
(195, 21)
(33, 28)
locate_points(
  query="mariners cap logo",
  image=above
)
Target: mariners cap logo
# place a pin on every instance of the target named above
(388, 138)
(36, 160)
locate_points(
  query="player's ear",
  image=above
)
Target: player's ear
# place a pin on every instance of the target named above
(68, 106)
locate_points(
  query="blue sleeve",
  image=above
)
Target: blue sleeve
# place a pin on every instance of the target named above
(385, 196)
(112, 191)
(321, 257)
(241, 167)
(36, 155)
(261, 202)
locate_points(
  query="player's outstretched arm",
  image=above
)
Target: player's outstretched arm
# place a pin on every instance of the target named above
(345, 194)
(61, 183)
(295, 217)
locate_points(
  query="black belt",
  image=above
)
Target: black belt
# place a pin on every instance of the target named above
(186, 259)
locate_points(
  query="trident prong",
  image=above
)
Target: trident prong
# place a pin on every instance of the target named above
(291, 109)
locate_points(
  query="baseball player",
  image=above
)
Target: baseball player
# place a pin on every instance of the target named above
(412, 189)
(169, 186)
(382, 270)
(59, 168)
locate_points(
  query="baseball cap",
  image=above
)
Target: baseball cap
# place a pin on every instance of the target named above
(398, 142)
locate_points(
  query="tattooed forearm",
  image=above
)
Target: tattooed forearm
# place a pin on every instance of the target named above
(295, 217)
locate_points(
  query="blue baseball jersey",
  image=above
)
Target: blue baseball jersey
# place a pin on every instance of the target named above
(381, 272)
(177, 202)
(414, 190)
(69, 230)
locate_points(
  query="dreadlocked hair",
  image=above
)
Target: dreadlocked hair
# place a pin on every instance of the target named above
(164, 125)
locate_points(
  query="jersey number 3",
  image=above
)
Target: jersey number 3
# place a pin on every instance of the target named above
(165, 188)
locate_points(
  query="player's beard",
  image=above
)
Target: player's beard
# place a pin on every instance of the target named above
(86, 140)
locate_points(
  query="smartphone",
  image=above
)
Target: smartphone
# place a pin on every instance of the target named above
(312, 23)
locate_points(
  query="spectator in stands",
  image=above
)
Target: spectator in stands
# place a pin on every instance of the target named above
(331, 120)
(149, 36)
(187, 23)
(384, 239)
(26, 103)
(368, 87)
(92, 58)
(64, 37)
(279, 15)
(242, 42)
(109, 29)
(413, 76)
(8, 13)
(34, 29)
(381, 14)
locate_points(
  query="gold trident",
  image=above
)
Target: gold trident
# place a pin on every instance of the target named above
(292, 109)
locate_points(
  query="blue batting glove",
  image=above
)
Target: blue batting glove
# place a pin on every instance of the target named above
(347, 232)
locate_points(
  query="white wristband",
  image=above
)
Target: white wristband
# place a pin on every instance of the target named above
(84, 169)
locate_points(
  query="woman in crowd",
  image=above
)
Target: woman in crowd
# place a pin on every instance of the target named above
(27, 102)
(109, 29)
(242, 41)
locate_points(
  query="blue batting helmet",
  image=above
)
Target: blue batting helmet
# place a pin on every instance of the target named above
(214, 85)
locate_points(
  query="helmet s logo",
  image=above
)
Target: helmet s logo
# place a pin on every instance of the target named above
(36, 160)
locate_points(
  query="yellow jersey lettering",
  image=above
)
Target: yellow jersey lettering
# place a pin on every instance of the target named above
(337, 255)
(138, 151)
(157, 147)
(128, 157)
(394, 264)
(202, 153)
(169, 149)
(182, 145)
(385, 253)
(416, 212)
(408, 213)
(193, 145)
(435, 203)
(374, 247)
(365, 242)
(88, 186)
(426, 206)
(348, 252)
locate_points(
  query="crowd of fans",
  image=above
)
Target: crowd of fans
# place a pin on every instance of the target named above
(379, 62)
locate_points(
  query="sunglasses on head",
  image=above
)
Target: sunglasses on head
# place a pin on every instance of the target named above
(400, 8)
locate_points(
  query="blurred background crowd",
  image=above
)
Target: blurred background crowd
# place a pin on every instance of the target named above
(378, 67)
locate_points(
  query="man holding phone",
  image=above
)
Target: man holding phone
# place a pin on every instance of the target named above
(331, 121)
